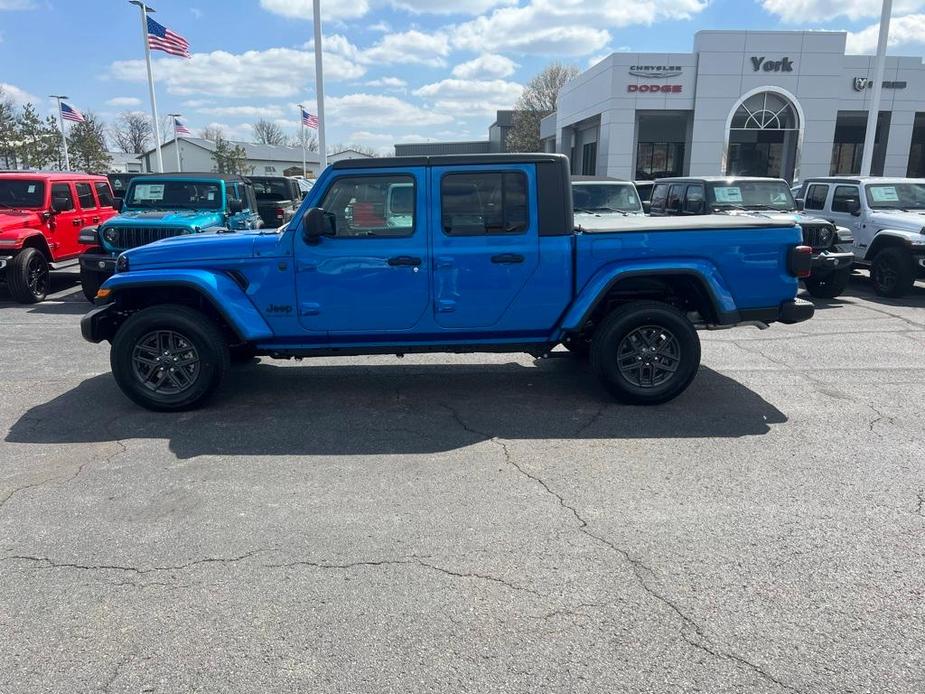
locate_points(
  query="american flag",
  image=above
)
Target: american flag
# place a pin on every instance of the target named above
(309, 120)
(160, 38)
(180, 128)
(71, 113)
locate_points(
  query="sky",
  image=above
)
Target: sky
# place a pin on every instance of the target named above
(395, 70)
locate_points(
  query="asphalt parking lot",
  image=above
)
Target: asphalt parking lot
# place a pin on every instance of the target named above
(476, 523)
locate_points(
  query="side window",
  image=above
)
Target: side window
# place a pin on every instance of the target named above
(103, 194)
(693, 199)
(846, 199)
(371, 206)
(62, 192)
(675, 193)
(476, 204)
(815, 197)
(659, 196)
(250, 198)
(85, 195)
(231, 191)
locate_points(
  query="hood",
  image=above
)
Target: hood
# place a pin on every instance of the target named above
(905, 221)
(17, 219)
(186, 218)
(592, 220)
(209, 246)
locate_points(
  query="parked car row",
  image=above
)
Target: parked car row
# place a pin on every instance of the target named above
(871, 222)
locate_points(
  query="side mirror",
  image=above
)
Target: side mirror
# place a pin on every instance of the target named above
(235, 206)
(854, 207)
(801, 204)
(646, 206)
(315, 224)
(60, 205)
(118, 204)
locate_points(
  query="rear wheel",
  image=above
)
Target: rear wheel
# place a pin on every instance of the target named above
(27, 276)
(893, 273)
(90, 283)
(169, 358)
(828, 286)
(646, 353)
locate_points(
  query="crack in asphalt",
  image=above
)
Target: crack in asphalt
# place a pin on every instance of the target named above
(51, 480)
(123, 661)
(592, 421)
(920, 508)
(879, 418)
(47, 563)
(640, 570)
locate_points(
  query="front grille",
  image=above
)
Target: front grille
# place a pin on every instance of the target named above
(818, 235)
(132, 237)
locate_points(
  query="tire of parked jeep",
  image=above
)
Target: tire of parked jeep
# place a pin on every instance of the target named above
(645, 353)
(828, 286)
(893, 272)
(169, 358)
(27, 276)
(90, 283)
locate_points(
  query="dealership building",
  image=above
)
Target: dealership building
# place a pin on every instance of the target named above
(784, 104)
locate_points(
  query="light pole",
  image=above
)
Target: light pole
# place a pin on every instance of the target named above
(867, 155)
(176, 139)
(319, 87)
(59, 98)
(144, 37)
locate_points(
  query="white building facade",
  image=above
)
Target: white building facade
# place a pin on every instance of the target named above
(784, 104)
(260, 160)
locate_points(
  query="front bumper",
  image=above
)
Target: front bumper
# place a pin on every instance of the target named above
(102, 263)
(99, 324)
(831, 261)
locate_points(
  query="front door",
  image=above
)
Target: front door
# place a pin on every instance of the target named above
(65, 225)
(846, 198)
(485, 243)
(373, 272)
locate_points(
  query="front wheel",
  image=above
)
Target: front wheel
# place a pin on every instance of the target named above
(90, 283)
(169, 358)
(27, 276)
(645, 353)
(828, 286)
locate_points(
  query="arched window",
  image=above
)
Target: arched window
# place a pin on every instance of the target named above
(765, 111)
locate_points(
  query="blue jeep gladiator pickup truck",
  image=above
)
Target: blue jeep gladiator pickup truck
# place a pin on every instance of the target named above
(444, 254)
(158, 206)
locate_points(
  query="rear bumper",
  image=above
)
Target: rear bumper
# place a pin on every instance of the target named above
(789, 312)
(98, 324)
(831, 261)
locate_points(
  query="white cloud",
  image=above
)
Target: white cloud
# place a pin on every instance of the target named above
(903, 31)
(381, 27)
(565, 27)
(271, 73)
(409, 47)
(471, 96)
(393, 83)
(486, 65)
(242, 132)
(472, 7)
(267, 112)
(302, 9)
(126, 101)
(19, 96)
(801, 11)
(373, 110)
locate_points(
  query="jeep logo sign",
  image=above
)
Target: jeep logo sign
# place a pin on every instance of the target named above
(783, 65)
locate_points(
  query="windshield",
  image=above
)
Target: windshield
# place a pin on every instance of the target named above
(272, 189)
(21, 194)
(174, 195)
(605, 197)
(751, 195)
(896, 196)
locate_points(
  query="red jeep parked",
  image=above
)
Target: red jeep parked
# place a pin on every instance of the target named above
(41, 215)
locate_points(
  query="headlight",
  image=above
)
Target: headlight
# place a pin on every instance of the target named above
(110, 234)
(122, 263)
(825, 235)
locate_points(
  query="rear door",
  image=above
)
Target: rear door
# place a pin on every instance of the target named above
(66, 225)
(485, 241)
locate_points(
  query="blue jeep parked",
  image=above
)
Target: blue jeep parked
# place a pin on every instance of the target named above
(445, 254)
(163, 205)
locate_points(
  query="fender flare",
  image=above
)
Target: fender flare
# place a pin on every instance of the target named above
(900, 235)
(224, 294)
(604, 279)
(24, 234)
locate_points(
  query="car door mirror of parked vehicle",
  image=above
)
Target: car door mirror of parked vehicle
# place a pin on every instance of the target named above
(854, 208)
(315, 224)
(235, 206)
(800, 204)
(117, 204)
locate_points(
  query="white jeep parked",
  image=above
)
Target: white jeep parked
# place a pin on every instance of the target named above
(886, 217)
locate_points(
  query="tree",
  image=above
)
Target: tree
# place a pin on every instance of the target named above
(39, 140)
(537, 101)
(362, 149)
(212, 133)
(132, 132)
(87, 145)
(268, 133)
(8, 132)
(305, 137)
(229, 158)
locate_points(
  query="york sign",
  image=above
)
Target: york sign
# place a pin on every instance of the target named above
(782, 65)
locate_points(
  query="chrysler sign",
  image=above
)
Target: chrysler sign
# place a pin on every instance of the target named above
(655, 71)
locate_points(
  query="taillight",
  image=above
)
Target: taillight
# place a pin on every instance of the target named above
(280, 213)
(800, 261)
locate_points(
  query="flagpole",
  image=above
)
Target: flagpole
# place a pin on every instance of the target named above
(144, 36)
(176, 139)
(302, 137)
(67, 161)
(319, 88)
(873, 115)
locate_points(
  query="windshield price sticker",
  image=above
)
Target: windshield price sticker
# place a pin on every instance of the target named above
(728, 194)
(884, 194)
(31, 188)
(149, 191)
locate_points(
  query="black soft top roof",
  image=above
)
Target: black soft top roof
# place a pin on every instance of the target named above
(447, 160)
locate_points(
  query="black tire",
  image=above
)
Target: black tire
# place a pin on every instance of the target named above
(828, 286)
(27, 276)
(675, 357)
(90, 283)
(893, 272)
(137, 360)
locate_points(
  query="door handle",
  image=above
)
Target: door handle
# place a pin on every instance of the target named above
(76, 222)
(96, 220)
(405, 261)
(507, 258)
